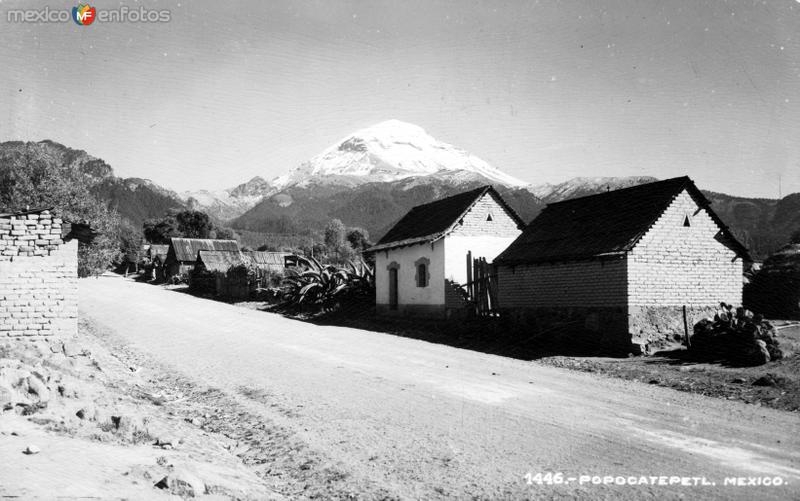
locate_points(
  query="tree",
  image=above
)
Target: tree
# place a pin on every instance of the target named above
(29, 178)
(160, 231)
(130, 240)
(358, 239)
(187, 224)
(194, 224)
(334, 235)
(223, 233)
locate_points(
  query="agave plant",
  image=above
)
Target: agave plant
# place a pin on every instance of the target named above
(326, 286)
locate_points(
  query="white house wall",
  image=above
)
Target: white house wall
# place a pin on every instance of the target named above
(408, 292)
(456, 248)
(475, 233)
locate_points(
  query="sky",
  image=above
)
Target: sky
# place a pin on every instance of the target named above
(544, 91)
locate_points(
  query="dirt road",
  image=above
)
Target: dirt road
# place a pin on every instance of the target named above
(430, 421)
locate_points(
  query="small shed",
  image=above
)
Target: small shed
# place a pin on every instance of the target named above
(214, 271)
(423, 263)
(182, 253)
(618, 268)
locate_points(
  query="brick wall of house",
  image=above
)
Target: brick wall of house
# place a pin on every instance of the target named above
(474, 222)
(675, 265)
(38, 277)
(593, 283)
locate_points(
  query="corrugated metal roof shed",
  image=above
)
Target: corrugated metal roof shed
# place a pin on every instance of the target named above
(219, 261)
(186, 249)
(268, 259)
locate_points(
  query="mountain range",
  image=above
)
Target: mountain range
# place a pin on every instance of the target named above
(370, 178)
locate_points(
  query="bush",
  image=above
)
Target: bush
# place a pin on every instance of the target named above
(179, 279)
(738, 336)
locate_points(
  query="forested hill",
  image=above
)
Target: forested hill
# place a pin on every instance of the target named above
(134, 199)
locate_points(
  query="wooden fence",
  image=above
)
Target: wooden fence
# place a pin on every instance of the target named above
(481, 286)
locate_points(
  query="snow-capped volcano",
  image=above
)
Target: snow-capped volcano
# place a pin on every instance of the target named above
(390, 151)
(386, 152)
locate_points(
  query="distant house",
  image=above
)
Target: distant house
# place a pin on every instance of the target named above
(269, 261)
(157, 251)
(182, 253)
(620, 266)
(422, 260)
(155, 257)
(215, 271)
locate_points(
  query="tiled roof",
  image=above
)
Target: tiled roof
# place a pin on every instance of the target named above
(604, 224)
(186, 249)
(434, 220)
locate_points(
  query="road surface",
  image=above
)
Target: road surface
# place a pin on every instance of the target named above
(432, 421)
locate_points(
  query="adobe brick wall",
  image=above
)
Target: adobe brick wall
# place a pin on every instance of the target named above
(572, 284)
(38, 277)
(674, 265)
(474, 222)
(671, 266)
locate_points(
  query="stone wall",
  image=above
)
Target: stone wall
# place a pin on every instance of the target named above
(38, 277)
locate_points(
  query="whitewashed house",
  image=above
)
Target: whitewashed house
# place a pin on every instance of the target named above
(619, 268)
(420, 262)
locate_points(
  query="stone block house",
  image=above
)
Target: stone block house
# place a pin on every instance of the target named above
(38, 274)
(422, 260)
(619, 267)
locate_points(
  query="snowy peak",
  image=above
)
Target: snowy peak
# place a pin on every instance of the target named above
(229, 203)
(257, 186)
(386, 152)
